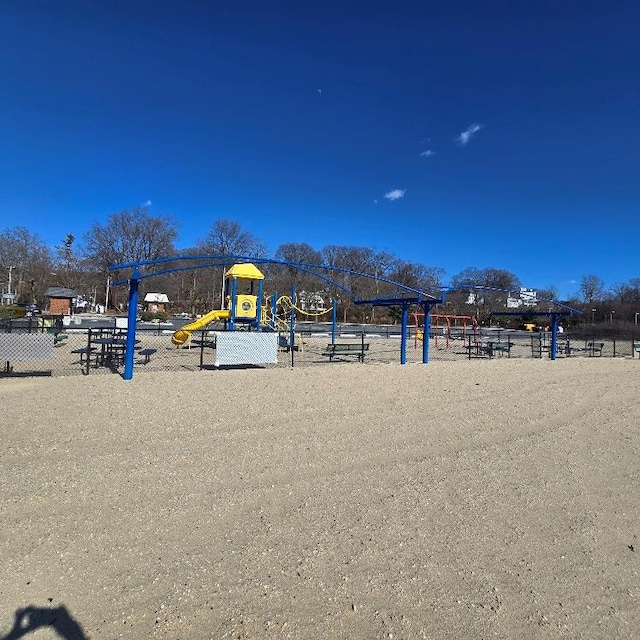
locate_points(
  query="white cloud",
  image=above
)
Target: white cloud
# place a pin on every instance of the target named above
(396, 194)
(464, 138)
(148, 203)
(427, 154)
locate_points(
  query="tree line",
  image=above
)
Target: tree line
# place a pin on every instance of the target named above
(30, 267)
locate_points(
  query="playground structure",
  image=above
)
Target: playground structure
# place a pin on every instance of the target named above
(258, 341)
(244, 282)
(447, 318)
(278, 315)
(243, 307)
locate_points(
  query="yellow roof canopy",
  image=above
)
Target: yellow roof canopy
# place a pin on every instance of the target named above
(245, 271)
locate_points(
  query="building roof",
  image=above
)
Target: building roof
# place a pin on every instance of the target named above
(245, 271)
(156, 297)
(60, 292)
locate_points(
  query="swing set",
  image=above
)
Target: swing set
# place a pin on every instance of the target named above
(446, 326)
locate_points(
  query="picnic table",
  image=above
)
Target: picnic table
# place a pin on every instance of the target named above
(489, 348)
(108, 349)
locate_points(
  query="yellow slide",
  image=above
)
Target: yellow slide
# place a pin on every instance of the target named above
(184, 333)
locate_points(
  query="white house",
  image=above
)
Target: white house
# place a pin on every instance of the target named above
(155, 302)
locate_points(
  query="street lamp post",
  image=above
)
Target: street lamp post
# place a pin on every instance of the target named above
(611, 317)
(636, 317)
(593, 316)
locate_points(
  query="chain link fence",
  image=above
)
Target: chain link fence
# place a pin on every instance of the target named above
(101, 351)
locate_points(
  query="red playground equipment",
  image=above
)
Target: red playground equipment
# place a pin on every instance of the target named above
(435, 325)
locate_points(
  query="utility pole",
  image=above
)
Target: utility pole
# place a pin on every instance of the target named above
(106, 293)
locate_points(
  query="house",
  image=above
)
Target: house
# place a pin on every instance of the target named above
(60, 300)
(312, 302)
(156, 302)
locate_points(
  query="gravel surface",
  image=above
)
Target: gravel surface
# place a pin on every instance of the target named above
(455, 500)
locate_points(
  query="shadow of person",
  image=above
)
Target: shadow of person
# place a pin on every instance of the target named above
(58, 618)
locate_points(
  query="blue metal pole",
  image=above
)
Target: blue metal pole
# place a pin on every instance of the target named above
(403, 340)
(334, 317)
(234, 302)
(426, 332)
(132, 314)
(259, 305)
(554, 335)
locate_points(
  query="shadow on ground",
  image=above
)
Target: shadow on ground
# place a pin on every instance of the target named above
(31, 618)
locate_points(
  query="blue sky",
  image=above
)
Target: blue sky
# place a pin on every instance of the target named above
(503, 134)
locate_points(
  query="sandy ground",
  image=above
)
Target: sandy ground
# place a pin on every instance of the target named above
(455, 500)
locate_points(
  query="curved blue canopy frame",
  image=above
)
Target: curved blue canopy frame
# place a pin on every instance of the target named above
(404, 295)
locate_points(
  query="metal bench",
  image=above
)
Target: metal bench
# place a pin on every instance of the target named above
(489, 348)
(347, 349)
(594, 348)
(636, 349)
(58, 336)
(492, 348)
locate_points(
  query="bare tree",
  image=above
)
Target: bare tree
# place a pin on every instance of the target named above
(591, 288)
(26, 262)
(487, 277)
(283, 276)
(130, 235)
(227, 237)
(550, 293)
(486, 280)
(69, 266)
(627, 292)
(417, 275)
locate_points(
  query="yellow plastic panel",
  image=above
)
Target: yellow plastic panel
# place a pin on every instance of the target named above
(246, 306)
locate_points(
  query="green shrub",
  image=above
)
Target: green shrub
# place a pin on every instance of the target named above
(149, 316)
(9, 312)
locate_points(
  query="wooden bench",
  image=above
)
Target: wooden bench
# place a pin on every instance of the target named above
(346, 349)
(147, 353)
